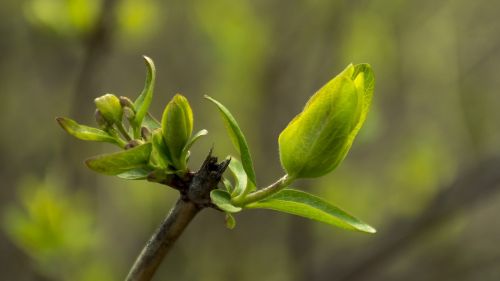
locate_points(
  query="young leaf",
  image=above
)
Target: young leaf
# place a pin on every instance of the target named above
(177, 126)
(222, 199)
(238, 140)
(121, 162)
(161, 154)
(230, 221)
(190, 143)
(150, 122)
(318, 139)
(240, 177)
(85, 132)
(312, 207)
(143, 102)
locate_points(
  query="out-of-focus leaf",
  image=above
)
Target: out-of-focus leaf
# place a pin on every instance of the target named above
(121, 162)
(230, 221)
(312, 207)
(222, 199)
(143, 102)
(238, 140)
(84, 132)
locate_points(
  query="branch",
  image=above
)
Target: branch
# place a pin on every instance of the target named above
(162, 240)
(195, 195)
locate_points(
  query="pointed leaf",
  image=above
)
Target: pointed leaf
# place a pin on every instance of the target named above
(144, 100)
(190, 143)
(85, 132)
(312, 207)
(222, 199)
(238, 140)
(121, 162)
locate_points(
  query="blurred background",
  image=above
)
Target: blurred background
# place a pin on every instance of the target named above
(425, 169)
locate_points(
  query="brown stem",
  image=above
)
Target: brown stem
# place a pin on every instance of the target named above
(195, 195)
(162, 240)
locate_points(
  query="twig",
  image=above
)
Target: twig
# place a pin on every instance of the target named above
(195, 195)
(162, 240)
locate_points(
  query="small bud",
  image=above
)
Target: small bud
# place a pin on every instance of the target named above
(133, 143)
(177, 126)
(126, 102)
(145, 133)
(110, 108)
(128, 113)
(103, 124)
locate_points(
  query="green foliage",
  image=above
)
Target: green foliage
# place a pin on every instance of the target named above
(143, 102)
(121, 162)
(318, 139)
(313, 144)
(85, 132)
(309, 206)
(177, 127)
(238, 140)
(57, 230)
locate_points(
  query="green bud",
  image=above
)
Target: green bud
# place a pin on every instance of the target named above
(110, 108)
(128, 113)
(318, 139)
(103, 124)
(177, 126)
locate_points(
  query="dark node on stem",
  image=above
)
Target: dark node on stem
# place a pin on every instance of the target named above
(132, 143)
(206, 180)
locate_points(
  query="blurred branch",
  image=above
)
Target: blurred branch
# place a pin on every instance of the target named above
(472, 186)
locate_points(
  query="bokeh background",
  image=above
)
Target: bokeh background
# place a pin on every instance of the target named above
(425, 169)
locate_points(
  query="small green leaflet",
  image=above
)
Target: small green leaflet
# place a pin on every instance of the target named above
(144, 100)
(306, 205)
(238, 140)
(230, 221)
(150, 122)
(121, 162)
(84, 132)
(222, 199)
(240, 178)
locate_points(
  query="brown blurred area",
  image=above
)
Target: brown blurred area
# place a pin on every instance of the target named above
(425, 169)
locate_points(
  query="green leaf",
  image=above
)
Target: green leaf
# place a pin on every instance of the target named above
(242, 185)
(85, 132)
(135, 174)
(318, 139)
(227, 184)
(238, 140)
(143, 102)
(177, 127)
(121, 162)
(222, 199)
(150, 122)
(161, 155)
(312, 207)
(190, 143)
(230, 221)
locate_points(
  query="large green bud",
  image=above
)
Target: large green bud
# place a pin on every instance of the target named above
(318, 139)
(110, 108)
(177, 126)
